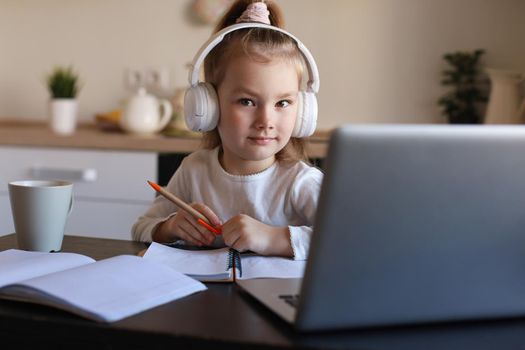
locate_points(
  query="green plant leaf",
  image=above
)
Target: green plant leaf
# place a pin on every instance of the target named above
(62, 82)
(461, 104)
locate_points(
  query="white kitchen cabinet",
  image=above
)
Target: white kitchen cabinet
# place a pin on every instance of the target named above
(109, 187)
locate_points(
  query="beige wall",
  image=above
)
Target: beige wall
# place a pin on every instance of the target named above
(380, 60)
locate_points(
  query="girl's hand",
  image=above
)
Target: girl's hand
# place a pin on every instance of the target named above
(244, 233)
(184, 226)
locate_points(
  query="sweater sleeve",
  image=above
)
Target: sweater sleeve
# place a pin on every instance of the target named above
(160, 210)
(304, 196)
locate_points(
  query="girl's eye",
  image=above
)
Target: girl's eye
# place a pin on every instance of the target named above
(283, 103)
(246, 102)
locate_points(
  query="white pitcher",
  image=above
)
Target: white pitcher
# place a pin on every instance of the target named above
(142, 114)
(506, 103)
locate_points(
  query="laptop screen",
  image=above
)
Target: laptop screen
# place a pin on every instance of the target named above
(418, 224)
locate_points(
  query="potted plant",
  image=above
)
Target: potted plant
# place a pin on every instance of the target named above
(63, 86)
(462, 105)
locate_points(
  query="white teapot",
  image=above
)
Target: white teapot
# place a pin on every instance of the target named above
(142, 114)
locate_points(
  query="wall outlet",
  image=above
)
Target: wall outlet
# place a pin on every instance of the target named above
(156, 80)
(133, 79)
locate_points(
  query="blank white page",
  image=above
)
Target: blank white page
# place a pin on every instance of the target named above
(18, 265)
(212, 262)
(256, 266)
(114, 288)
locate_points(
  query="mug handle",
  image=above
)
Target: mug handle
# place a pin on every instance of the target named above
(70, 205)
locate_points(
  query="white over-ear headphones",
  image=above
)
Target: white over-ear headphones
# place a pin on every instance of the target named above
(201, 105)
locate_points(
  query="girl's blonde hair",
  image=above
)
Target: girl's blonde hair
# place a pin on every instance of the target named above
(261, 45)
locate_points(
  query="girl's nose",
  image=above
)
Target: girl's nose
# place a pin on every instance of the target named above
(264, 118)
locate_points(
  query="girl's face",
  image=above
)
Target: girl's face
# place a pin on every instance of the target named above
(258, 107)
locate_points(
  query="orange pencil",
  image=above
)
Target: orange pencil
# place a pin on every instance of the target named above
(201, 219)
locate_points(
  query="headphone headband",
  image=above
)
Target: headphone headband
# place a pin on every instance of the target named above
(313, 81)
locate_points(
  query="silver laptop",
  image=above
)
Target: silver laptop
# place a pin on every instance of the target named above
(414, 224)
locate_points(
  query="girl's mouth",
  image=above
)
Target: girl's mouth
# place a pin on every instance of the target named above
(261, 140)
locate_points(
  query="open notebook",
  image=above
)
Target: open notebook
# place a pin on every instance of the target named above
(106, 290)
(224, 264)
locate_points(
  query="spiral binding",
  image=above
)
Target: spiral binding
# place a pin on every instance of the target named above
(234, 261)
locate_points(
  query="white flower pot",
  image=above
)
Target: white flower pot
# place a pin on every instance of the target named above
(63, 115)
(505, 98)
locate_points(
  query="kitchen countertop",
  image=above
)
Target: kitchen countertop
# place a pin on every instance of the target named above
(89, 136)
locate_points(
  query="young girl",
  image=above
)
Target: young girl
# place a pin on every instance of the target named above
(250, 178)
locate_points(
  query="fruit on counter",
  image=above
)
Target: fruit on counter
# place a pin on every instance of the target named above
(113, 116)
(109, 121)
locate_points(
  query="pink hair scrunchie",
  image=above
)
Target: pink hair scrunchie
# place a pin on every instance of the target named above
(255, 12)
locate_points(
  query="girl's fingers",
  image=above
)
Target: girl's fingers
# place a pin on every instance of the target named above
(208, 213)
(191, 232)
(205, 235)
(239, 244)
(233, 239)
(186, 236)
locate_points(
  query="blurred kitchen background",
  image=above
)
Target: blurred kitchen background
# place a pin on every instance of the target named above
(379, 60)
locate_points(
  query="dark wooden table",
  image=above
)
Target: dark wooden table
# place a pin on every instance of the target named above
(221, 317)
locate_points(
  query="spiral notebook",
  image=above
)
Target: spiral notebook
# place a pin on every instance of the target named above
(224, 264)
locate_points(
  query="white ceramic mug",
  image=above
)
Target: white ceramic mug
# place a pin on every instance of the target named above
(40, 210)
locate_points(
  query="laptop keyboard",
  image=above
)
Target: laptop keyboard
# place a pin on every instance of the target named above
(290, 299)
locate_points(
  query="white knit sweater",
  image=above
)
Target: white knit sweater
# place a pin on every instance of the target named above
(282, 195)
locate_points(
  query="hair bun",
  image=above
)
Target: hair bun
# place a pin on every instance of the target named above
(255, 12)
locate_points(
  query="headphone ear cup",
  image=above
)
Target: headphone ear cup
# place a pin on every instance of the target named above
(306, 120)
(201, 107)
